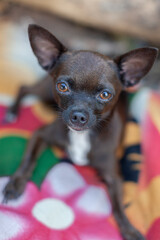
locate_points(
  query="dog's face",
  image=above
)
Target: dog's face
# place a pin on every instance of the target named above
(86, 87)
(86, 84)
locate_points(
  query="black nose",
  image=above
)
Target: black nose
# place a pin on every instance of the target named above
(79, 118)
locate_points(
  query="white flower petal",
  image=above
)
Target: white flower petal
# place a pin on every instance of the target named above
(65, 179)
(94, 200)
(53, 213)
(11, 225)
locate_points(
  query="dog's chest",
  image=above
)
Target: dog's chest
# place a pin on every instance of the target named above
(79, 147)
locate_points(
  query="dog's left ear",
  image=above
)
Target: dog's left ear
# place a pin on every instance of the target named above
(135, 64)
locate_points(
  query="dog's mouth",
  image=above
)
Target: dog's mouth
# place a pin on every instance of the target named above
(78, 129)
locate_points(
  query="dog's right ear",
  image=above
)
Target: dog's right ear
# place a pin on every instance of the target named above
(45, 46)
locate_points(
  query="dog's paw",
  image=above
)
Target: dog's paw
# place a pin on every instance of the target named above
(9, 117)
(132, 234)
(14, 188)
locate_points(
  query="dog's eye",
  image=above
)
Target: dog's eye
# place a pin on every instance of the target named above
(105, 95)
(62, 87)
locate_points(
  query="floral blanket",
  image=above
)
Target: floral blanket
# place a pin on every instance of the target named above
(64, 201)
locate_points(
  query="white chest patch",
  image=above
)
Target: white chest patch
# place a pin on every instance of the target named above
(79, 147)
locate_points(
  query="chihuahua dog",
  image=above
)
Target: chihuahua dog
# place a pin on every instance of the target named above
(88, 89)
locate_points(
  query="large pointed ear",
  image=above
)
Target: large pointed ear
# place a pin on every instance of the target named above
(45, 46)
(135, 64)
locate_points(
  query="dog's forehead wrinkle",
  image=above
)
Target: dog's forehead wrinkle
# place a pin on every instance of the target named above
(89, 73)
(85, 61)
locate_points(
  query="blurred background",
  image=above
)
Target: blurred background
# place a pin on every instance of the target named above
(110, 27)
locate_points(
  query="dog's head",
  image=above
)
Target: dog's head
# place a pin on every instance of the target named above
(87, 85)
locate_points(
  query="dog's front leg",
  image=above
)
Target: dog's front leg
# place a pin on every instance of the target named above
(17, 182)
(41, 89)
(40, 139)
(107, 172)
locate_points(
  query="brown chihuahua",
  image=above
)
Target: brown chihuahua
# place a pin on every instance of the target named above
(88, 89)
